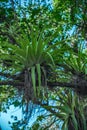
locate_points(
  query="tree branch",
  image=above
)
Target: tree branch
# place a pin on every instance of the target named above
(61, 84)
(80, 87)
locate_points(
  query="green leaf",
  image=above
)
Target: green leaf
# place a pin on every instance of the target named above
(51, 58)
(65, 125)
(33, 76)
(39, 77)
(75, 124)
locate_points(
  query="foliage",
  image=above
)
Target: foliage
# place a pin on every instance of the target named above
(6, 97)
(44, 46)
(31, 55)
(64, 110)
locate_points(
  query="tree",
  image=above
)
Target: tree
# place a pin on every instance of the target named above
(37, 54)
(63, 110)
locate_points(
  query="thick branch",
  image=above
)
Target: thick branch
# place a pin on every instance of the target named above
(80, 86)
(50, 84)
(61, 84)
